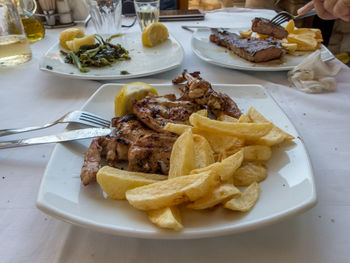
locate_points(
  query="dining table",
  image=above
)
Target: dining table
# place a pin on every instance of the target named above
(30, 97)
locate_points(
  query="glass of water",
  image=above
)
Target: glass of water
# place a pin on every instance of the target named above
(147, 12)
(106, 15)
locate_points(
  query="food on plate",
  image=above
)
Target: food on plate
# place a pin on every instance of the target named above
(101, 54)
(245, 34)
(250, 172)
(203, 154)
(75, 44)
(69, 34)
(246, 200)
(154, 34)
(168, 217)
(257, 153)
(123, 103)
(251, 49)
(264, 27)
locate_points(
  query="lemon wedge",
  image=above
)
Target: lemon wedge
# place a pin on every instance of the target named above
(76, 43)
(123, 102)
(154, 34)
(69, 34)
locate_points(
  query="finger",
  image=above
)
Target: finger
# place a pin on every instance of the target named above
(306, 8)
(321, 11)
(342, 10)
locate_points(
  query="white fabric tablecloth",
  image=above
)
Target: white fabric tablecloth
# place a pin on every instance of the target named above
(31, 97)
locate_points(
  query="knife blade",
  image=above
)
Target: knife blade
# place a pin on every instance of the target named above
(62, 137)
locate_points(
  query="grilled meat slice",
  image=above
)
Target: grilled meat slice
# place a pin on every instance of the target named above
(157, 111)
(200, 92)
(264, 27)
(251, 49)
(151, 153)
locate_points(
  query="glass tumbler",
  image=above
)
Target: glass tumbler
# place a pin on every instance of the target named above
(106, 15)
(147, 12)
(14, 46)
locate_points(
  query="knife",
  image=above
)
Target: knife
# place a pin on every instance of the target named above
(62, 137)
(202, 27)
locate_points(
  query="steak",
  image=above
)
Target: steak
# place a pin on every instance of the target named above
(251, 49)
(264, 27)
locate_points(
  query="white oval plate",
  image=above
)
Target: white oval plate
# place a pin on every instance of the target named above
(288, 190)
(221, 56)
(144, 61)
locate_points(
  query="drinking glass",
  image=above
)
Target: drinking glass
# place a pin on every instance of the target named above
(14, 46)
(147, 12)
(106, 15)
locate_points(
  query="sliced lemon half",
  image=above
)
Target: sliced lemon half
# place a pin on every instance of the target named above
(69, 34)
(123, 102)
(154, 34)
(76, 43)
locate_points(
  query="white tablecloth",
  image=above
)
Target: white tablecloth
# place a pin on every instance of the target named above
(31, 97)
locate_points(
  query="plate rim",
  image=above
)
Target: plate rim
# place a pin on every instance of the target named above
(111, 77)
(246, 68)
(171, 235)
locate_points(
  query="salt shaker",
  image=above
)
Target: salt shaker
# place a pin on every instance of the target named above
(64, 11)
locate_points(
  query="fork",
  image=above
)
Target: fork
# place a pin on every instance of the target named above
(284, 16)
(71, 117)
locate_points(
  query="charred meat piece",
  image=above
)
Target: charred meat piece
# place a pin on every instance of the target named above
(200, 92)
(157, 111)
(151, 153)
(264, 27)
(252, 49)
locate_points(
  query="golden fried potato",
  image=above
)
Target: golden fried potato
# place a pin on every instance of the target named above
(246, 201)
(220, 194)
(172, 191)
(115, 182)
(257, 153)
(225, 169)
(182, 158)
(168, 217)
(290, 47)
(306, 42)
(244, 119)
(203, 112)
(203, 153)
(290, 26)
(245, 34)
(224, 117)
(242, 130)
(177, 128)
(248, 173)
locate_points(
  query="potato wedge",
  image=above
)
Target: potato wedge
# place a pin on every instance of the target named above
(176, 128)
(225, 169)
(257, 153)
(249, 172)
(182, 158)
(243, 130)
(115, 182)
(290, 26)
(168, 217)
(245, 34)
(172, 191)
(218, 195)
(244, 119)
(202, 151)
(246, 201)
(224, 117)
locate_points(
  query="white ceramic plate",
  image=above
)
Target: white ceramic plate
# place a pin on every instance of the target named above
(221, 56)
(144, 61)
(288, 190)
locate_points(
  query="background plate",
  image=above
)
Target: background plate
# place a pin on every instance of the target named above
(144, 61)
(221, 56)
(289, 188)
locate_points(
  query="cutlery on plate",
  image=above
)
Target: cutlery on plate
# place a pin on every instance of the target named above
(81, 117)
(62, 137)
(189, 28)
(284, 16)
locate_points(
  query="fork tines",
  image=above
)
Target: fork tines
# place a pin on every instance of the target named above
(280, 18)
(84, 116)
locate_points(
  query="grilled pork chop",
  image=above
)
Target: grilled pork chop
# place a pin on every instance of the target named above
(263, 26)
(251, 49)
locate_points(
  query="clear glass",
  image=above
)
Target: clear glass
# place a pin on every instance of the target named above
(14, 46)
(106, 15)
(147, 12)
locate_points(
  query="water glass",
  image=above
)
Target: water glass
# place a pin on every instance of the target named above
(14, 46)
(106, 15)
(147, 12)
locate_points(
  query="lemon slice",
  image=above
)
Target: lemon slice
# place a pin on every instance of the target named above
(123, 102)
(76, 43)
(154, 34)
(69, 34)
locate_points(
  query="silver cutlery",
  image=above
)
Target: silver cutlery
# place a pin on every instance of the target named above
(189, 28)
(81, 117)
(62, 137)
(284, 16)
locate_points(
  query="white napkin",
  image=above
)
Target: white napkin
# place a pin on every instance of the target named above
(313, 75)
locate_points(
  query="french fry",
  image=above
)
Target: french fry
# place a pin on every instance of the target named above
(227, 118)
(176, 128)
(244, 119)
(182, 158)
(290, 26)
(243, 130)
(245, 34)
(168, 217)
(257, 153)
(248, 173)
(115, 182)
(173, 191)
(246, 201)
(202, 151)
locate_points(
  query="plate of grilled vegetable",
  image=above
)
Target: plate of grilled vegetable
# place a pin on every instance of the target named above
(185, 160)
(119, 56)
(263, 47)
